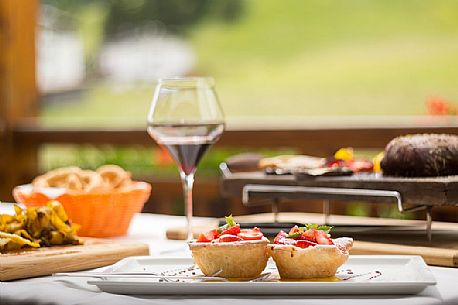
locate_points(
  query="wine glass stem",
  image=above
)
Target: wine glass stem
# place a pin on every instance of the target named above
(188, 181)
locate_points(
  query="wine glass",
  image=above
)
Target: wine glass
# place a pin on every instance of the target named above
(186, 118)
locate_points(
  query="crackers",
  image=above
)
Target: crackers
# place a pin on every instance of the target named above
(76, 180)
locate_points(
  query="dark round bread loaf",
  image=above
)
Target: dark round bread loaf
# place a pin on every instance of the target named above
(421, 155)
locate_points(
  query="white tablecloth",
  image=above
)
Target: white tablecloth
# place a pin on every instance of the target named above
(151, 230)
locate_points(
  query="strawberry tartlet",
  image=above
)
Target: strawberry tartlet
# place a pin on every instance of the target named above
(309, 252)
(231, 252)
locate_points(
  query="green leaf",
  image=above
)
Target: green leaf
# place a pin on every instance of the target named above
(294, 235)
(327, 229)
(315, 226)
(310, 226)
(230, 221)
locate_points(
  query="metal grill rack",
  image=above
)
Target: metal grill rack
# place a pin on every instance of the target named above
(263, 189)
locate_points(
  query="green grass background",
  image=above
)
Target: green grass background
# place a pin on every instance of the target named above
(297, 58)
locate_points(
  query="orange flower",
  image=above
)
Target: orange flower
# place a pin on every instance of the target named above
(440, 106)
(162, 157)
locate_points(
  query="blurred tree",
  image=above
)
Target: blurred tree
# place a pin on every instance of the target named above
(99, 20)
(175, 16)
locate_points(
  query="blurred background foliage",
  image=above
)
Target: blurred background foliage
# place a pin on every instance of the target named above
(177, 16)
(275, 59)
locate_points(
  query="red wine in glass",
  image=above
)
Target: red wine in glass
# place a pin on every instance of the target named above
(186, 143)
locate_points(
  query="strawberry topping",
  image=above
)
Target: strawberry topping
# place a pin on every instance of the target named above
(230, 232)
(304, 237)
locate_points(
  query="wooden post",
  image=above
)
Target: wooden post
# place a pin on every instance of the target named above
(18, 90)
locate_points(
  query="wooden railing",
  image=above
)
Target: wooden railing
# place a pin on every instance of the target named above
(312, 140)
(320, 141)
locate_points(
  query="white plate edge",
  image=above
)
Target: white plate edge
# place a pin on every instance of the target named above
(425, 272)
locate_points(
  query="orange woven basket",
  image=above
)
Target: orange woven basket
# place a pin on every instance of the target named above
(99, 214)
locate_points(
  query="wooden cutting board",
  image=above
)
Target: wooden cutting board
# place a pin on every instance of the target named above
(48, 260)
(441, 251)
(432, 255)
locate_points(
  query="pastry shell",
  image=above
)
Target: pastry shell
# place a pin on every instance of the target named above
(239, 259)
(312, 262)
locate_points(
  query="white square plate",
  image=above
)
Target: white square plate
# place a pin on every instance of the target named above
(360, 275)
